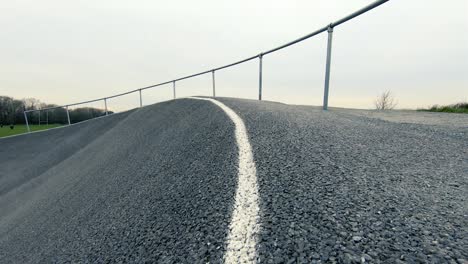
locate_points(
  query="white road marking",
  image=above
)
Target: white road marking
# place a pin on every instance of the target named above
(244, 227)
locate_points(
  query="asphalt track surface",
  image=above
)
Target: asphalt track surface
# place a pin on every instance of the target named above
(158, 184)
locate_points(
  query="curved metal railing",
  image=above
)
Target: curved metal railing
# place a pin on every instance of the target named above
(328, 28)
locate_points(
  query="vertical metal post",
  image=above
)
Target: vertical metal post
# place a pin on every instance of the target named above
(26, 120)
(260, 77)
(327, 69)
(141, 99)
(68, 116)
(214, 87)
(39, 122)
(105, 105)
(47, 117)
(173, 89)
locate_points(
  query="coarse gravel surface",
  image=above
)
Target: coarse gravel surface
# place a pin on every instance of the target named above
(157, 187)
(343, 187)
(157, 184)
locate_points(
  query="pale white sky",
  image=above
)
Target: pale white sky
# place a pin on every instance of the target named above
(67, 51)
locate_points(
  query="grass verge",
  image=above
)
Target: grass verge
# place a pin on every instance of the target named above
(20, 129)
(454, 108)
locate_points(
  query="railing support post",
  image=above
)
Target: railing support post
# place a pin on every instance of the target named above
(260, 57)
(173, 89)
(105, 105)
(141, 99)
(68, 116)
(327, 69)
(26, 120)
(213, 78)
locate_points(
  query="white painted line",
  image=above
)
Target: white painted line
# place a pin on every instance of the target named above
(244, 227)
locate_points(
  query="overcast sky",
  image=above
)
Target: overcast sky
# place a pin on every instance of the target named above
(67, 51)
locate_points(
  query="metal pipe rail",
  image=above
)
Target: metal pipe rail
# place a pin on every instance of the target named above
(328, 28)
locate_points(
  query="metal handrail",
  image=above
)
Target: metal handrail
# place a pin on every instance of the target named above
(328, 28)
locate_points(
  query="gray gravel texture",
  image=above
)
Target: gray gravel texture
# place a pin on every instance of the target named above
(157, 184)
(25, 157)
(342, 187)
(157, 187)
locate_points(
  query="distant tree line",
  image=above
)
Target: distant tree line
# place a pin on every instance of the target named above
(11, 112)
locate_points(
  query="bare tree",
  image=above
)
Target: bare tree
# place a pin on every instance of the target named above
(385, 101)
(31, 103)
